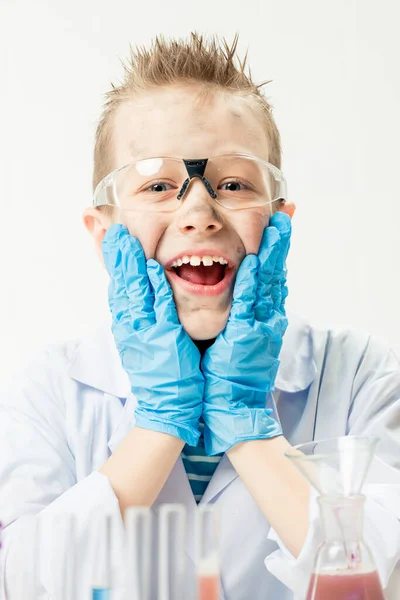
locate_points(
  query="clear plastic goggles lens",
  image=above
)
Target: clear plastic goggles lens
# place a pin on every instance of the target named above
(153, 184)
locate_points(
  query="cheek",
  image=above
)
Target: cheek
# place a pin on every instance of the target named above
(249, 226)
(148, 228)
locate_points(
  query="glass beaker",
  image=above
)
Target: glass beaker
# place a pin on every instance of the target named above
(344, 567)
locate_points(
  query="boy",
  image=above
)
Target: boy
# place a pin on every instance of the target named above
(184, 402)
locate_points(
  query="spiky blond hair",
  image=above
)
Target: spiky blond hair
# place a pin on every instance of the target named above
(210, 61)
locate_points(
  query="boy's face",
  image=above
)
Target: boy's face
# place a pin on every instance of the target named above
(172, 122)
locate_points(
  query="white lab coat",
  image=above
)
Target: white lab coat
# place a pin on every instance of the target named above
(63, 417)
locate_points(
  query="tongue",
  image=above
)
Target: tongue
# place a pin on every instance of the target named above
(202, 275)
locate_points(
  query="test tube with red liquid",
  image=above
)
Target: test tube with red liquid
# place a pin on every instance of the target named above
(208, 566)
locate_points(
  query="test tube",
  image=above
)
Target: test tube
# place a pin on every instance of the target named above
(171, 552)
(138, 536)
(1, 557)
(29, 532)
(101, 580)
(70, 548)
(207, 552)
(63, 546)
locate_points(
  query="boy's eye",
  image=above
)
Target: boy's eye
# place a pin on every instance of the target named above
(233, 186)
(160, 187)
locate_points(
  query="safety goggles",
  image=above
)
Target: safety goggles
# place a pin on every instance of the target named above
(159, 184)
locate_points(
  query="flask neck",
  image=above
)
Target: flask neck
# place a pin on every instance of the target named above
(342, 517)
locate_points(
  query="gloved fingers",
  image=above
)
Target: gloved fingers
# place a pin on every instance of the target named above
(283, 223)
(130, 295)
(244, 293)
(269, 249)
(117, 296)
(164, 304)
(137, 283)
(279, 292)
(111, 245)
(268, 255)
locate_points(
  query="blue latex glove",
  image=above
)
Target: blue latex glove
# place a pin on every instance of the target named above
(162, 362)
(241, 366)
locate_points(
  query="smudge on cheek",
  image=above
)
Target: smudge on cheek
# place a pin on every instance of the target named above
(251, 229)
(148, 228)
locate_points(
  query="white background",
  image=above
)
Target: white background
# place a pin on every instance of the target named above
(336, 98)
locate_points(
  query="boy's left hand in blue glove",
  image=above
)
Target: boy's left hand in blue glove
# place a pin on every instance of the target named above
(241, 366)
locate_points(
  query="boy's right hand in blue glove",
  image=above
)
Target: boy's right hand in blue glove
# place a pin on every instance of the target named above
(162, 362)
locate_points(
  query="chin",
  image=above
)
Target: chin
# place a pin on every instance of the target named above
(203, 327)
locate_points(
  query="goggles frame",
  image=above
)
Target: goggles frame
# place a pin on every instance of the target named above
(195, 168)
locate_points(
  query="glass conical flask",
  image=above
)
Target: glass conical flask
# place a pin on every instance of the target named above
(344, 567)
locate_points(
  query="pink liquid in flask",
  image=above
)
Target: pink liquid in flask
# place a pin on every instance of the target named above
(208, 587)
(358, 586)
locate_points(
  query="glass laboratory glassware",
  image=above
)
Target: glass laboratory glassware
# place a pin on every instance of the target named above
(28, 582)
(138, 553)
(172, 522)
(101, 571)
(47, 558)
(207, 553)
(344, 567)
(63, 554)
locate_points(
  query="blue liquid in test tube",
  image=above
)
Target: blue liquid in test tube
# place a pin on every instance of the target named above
(101, 594)
(101, 538)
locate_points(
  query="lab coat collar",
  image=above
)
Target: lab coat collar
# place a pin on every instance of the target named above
(96, 361)
(297, 368)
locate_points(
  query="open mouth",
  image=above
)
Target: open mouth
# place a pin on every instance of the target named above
(201, 274)
(204, 275)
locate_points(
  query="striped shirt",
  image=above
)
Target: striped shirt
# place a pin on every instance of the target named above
(198, 466)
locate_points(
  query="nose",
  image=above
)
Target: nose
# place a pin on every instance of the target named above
(198, 212)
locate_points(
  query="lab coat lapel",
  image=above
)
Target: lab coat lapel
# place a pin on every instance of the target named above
(297, 367)
(224, 474)
(177, 490)
(124, 424)
(96, 363)
(307, 427)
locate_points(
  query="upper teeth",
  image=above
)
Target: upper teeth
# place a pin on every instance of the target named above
(195, 261)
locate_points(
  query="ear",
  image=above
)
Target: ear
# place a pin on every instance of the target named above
(288, 208)
(97, 223)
